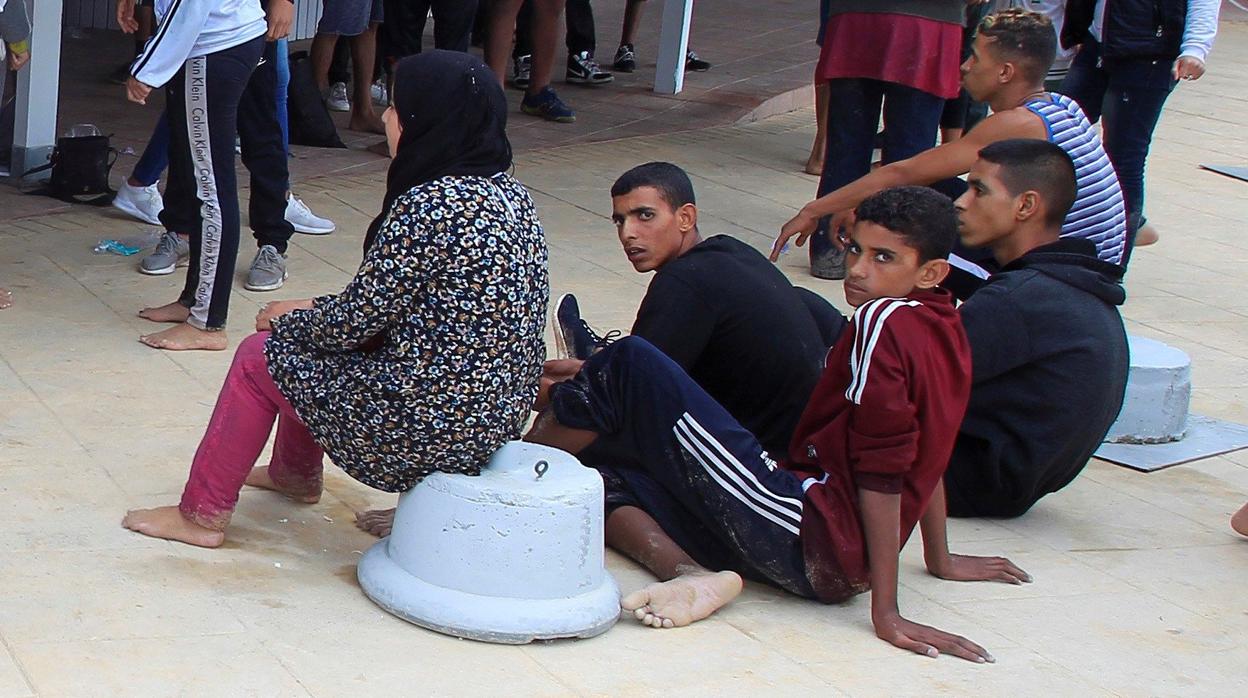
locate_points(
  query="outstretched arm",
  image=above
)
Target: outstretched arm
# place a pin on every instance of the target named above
(961, 568)
(881, 521)
(931, 166)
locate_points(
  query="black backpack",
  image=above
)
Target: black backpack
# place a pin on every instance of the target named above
(306, 112)
(80, 167)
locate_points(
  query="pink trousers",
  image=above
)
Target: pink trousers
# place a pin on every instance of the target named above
(246, 408)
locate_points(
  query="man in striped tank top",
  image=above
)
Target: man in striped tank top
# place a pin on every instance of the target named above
(1011, 55)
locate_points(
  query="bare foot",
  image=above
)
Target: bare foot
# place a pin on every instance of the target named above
(368, 123)
(814, 166)
(1239, 521)
(1146, 235)
(683, 600)
(259, 477)
(183, 337)
(378, 522)
(172, 312)
(168, 523)
(6, 298)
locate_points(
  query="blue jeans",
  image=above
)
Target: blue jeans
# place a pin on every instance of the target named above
(282, 62)
(911, 118)
(155, 156)
(1128, 94)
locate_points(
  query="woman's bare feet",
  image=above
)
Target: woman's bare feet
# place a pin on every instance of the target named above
(1146, 235)
(168, 523)
(184, 337)
(259, 477)
(683, 600)
(368, 123)
(814, 165)
(378, 522)
(172, 312)
(1239, 521)
(6, 298)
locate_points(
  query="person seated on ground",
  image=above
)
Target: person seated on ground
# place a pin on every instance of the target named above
(1009, 60)
(1239, 521)
(1048, 346)
(692, 495)
(429, 360)
(716, 307)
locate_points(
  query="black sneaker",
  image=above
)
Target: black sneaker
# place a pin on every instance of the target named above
(584, 70)
(625, 59)
(695, 64)
(521, 72)
(574, 337)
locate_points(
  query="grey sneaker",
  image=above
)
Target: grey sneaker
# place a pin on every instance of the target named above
(268, 270)
(171, 252)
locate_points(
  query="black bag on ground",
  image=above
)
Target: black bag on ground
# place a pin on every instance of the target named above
(80, 166)
(307, 116)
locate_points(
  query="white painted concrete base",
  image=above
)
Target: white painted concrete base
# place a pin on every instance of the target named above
(1159, 391)
(509, 556)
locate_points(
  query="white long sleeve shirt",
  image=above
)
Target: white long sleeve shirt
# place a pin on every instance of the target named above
(191, 28)
(1199, 28)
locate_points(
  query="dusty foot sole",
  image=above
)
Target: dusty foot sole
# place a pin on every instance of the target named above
(169, 524)
(1239, 521)
(259, 477)
(1146, 235)
(183, 337)
(686, 599)
(171, 312)
(378, 522)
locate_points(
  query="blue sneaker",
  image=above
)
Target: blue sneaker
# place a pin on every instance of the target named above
(547, 105)
(574, 338)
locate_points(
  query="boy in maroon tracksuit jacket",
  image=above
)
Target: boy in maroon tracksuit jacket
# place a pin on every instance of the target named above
(693, 496)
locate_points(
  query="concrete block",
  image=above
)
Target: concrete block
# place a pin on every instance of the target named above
(511, 556)
(1159, 391)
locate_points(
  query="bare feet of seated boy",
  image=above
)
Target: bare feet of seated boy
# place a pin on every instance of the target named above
(169, 524)
(259, 477)
(378, 522)
(686, 599)
(184, 337)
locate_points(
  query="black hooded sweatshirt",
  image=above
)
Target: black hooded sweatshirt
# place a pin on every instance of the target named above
(1049, 362)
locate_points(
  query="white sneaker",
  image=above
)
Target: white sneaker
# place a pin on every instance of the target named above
(144, 203)
(303, 220)
(337, 100)
(380, 94)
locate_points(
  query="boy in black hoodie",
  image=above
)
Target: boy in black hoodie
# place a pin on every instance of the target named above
(1049, 352)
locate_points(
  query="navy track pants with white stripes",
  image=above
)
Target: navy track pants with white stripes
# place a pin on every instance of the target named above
(201, 196)
(665, 446)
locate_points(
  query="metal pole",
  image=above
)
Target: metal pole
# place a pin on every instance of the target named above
(669, 76)
(38, 85)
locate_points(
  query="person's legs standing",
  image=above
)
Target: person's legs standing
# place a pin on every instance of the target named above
(1134, 97)
(363, 53)
(452, 23)
(911, 119)
(850, 141)
(138, 195)
(1087, 81)
(264, 155)
(210, 89)
(580, 36)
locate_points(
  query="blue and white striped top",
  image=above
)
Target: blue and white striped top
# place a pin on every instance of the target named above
(1098, 213)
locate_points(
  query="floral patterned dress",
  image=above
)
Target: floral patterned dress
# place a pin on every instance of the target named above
(429, 360)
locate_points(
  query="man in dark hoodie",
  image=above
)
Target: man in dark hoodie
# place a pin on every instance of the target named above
(1049, 352)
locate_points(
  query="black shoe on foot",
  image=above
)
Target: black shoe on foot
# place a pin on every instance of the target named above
(573, 335)
(584, 70)
(695, 64)
(625, 58)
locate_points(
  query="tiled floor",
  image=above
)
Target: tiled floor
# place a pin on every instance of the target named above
(1139, 581)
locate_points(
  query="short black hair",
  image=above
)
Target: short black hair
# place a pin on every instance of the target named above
(1024, 38)
(1031, 164)
(922, 216)
(671, 182)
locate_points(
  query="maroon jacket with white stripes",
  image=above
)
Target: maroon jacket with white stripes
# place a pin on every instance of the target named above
(883, 417)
